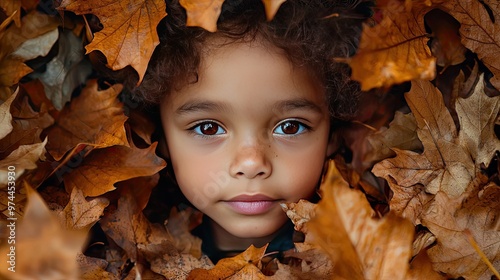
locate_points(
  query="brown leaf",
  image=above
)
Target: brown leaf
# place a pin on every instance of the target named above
(447, 218)
(421, 268)
(178, 267)
(178, 227)
(24, 157)
(80, 213)
(444, 165)
(140, 188)
(43, 249)
(6, 117)
(480, 31)
(12, 7)
(395, 50)
(129, 36)
(242, 266)
(400, 134)
(446, 44)
(131, 230)
(359, 246)
(300, 213)
(94, 118)
(202, 13)
(93, 269)
(104, 167)
(272, 7)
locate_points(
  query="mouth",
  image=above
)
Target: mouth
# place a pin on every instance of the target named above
(251, 204)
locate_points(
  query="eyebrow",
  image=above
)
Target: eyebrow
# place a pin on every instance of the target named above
(297, 104)
(201, 105)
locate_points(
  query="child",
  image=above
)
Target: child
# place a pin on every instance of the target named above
(247, 112)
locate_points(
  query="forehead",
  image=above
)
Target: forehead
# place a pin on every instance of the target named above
(252, 71)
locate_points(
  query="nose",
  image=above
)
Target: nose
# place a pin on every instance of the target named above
(250, 162)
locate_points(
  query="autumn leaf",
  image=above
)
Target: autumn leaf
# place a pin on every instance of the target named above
(178, 227)
(24, 157)
(129, 36)
(6, 117)
(12, 7)
(300, 213)
(360, 246)
(272, 7)
(395, 50)
(81, 214)
(202, 13)
(12, 67)
(242, 266)
(178, 267)
(93, 268)
(41, 240)
(444, 165)
(479, 24)
(94, 118)
(104, 167)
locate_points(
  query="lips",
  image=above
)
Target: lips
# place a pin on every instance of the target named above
(251, 204)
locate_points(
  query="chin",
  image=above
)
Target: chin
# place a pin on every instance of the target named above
(255, 229)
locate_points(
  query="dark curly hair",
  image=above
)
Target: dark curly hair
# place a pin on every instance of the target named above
(310, 32)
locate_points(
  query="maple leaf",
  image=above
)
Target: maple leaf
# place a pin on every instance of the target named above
(445, 164)
(40, 240)
(242, 266)
(129, 35)
(202, 13)
(94, 118)
(359, 246)
(272, 7)
(80, 213)
(479, 30)
(104, 167)
(395, 50)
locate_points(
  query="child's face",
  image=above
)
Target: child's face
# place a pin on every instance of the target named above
(251, 133)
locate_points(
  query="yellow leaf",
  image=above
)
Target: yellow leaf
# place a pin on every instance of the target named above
(129, 36)
(202, 13)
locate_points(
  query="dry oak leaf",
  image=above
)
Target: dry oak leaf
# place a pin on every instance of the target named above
(131, 230)
(178, 267)
(94, 118)
(445, 164)
(272, 7)
(93, 269)
(359, 246)
(395, 50)
(202, 13)
(43, 249)
(80, 214)
(178, 227)
(129, 35)
(6, 117)
(104, 167)
(447, 218)
(479, 25)
(243, 266)
(24, 157)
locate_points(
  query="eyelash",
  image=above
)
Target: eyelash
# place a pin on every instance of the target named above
(192, 129)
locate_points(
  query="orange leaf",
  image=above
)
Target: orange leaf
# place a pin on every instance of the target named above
(10, 7)
(94, 118)
(272, 7)
(241, 266)
(202, 13)
(395, 50)
(104, 167)
(129, 36)
(360, 246)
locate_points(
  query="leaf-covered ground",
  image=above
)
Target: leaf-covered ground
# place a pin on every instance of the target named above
(415, 195)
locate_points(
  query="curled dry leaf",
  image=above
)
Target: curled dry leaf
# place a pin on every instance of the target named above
(12, 7)
(93, 269)
(94, 118)
(178, 227)
(395, 50)
(24, 157)
(243, 266)
(479, 24)
(300, 213)
(41, 240)
(359, 246)
(129, 35)
(6, 117)
(202, 13)
(103, 167)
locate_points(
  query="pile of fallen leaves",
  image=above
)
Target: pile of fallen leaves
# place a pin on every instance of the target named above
(425, 146)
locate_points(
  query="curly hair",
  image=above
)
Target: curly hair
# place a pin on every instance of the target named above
(312, 33)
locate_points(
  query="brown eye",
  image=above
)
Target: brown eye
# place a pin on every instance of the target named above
(208, 128)
(289, 127)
